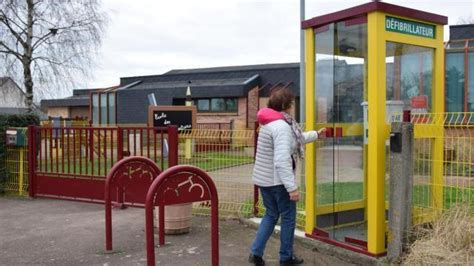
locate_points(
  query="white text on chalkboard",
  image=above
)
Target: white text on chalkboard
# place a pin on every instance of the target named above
(183, 127)
(162, 115)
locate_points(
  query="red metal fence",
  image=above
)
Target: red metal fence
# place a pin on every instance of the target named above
(72, 163)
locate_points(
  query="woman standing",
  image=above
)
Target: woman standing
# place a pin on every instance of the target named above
(280, 144)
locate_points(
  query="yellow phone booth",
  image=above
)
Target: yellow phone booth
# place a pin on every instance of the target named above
(363, 65)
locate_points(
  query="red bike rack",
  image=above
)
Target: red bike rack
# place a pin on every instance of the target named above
(131, 176)
(180, 184)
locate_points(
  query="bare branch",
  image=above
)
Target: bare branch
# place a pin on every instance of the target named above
(42, 39)
(7, 22)
(49, 44)
(8, 50)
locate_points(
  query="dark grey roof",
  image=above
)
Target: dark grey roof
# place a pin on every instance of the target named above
(82, 100)
(18, 111)
(82, 92)
(196, 83)
(13, 110)
(233, 87)
(132, 105)
(232, 68)
(269, 75)
(461, 32)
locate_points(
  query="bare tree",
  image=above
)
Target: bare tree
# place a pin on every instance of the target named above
(465, 20)
(49, 43)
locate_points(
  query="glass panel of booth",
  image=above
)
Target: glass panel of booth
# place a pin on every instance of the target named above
(409, 70)
(340, 89)
(324, 96)
(409, 86)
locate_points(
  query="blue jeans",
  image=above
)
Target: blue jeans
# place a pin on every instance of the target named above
(277, 203)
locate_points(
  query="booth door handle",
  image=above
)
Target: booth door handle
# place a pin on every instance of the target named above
(329, 132)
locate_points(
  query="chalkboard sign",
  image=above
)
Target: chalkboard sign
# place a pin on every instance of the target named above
(182, 116)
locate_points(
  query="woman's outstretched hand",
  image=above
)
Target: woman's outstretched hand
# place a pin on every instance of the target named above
(321, 132)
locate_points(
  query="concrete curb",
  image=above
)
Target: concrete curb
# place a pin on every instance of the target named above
(315, 245)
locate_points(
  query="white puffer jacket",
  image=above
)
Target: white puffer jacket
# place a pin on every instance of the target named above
(276, 143)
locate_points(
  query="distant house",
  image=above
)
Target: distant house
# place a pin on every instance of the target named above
(13, 98)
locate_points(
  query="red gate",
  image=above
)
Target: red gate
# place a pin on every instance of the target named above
(72, 163)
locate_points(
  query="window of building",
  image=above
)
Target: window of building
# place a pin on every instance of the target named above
(111, 97)
(103, 108)
(459, 69)
(217, 105)
(470, 84)
(95, 108)
(202, 105)
(454, 82)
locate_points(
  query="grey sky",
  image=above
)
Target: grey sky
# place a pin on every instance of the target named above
(148, 37)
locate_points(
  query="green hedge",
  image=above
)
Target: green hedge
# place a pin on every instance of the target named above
(7, 121)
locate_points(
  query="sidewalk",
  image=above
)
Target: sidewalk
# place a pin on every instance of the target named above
(56, 232)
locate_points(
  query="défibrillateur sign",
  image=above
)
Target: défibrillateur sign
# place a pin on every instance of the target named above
(409, 27)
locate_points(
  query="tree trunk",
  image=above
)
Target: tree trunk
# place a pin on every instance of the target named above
(28, 56)
(28, 84)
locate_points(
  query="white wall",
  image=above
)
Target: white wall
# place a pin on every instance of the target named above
(11, 95)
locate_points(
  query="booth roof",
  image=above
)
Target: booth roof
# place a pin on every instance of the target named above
(363, 9)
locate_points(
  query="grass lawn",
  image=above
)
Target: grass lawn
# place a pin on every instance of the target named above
(343, 192)
(328, 193)
(211, 161)
(451, 196)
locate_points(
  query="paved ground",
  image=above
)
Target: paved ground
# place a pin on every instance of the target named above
(55, 232)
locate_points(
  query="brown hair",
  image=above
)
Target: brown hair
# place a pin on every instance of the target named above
(281, 99)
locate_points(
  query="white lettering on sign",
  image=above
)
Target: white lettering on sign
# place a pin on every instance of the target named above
(183, 127)
(409, 27)
(167, 122)
(161, 116)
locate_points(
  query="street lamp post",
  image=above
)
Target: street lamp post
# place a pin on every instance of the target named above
(187, 144)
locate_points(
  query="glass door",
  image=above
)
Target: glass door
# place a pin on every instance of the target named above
(340, 90)
(325, 155)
